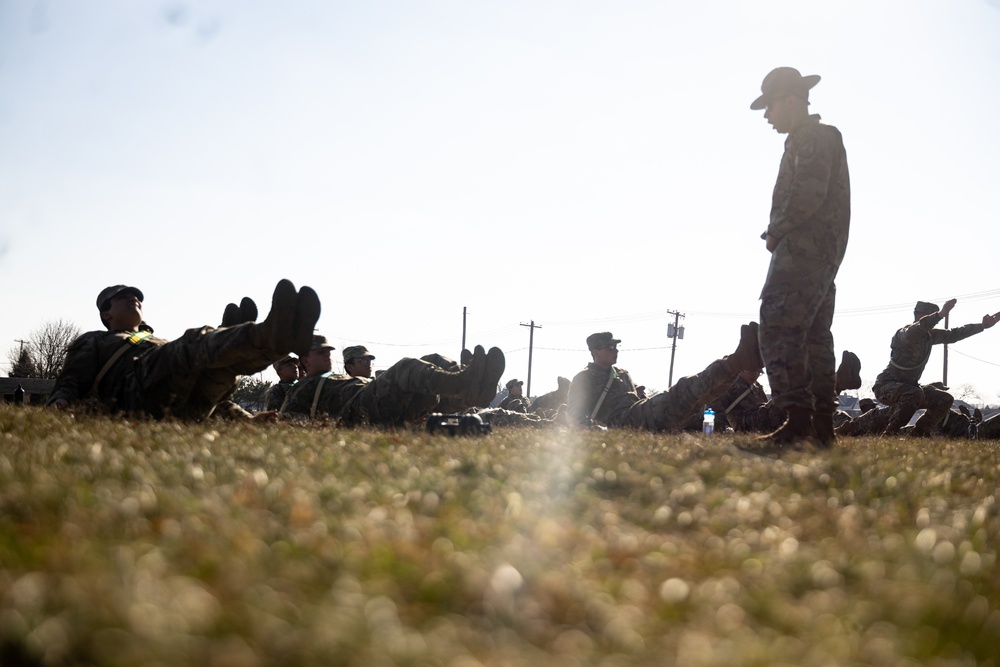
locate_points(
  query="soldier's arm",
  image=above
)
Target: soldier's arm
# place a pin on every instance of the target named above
(81, 367)
(812, 160)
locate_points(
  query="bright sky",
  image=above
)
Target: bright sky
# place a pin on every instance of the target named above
(584, 165)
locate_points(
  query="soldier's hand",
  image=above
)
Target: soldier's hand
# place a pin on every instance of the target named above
(990, 320)
(266, 416)
(948, 305)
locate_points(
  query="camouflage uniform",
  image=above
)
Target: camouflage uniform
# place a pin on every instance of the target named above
(746, 407)
(404, 393)
(989, 429)
(276, 395)
(185, 378)
(898, 385)
(667, 411)
(810, 218)
(871, 422)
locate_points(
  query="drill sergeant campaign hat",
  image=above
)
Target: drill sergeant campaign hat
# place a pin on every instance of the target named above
(603, 339)
(108, 293)
(925, 308)
(357, 352)
(781, 82)
(513, 383)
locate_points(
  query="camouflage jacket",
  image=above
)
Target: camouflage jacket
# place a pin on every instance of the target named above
(119, 387)
(911, 347)
(514, 403)
(739, 400)
(276, 395)
(811, 203)
(586, 389)
(324, 394)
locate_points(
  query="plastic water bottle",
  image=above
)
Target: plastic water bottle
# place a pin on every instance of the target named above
(708, 425)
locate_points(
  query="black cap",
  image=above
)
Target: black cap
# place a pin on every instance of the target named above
(603, 339)
(109, 293)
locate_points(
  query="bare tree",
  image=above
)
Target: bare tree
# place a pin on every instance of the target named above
(969, 394)
(45, 353)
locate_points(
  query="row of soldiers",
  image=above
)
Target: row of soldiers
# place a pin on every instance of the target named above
(126, 368)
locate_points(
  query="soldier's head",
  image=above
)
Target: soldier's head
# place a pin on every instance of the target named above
(603, 348)
(515, 387)
(120, 307)
(785, 98)
(358, 361)
(317, 360)
(751, 376)
(287, 368)
(924, 308)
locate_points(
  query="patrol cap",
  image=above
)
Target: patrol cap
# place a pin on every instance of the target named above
(319, 343)
(782, 81)
(287, 359)
(514, 383)
(603, 339)
(925, 308)
(109, 293)
(357, 352)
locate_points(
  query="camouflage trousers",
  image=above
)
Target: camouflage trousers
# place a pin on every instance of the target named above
(989, 429)
(187, 377)
(905, 398)
(796, 344)
(404, 393)
(872, 422)
(672, 409)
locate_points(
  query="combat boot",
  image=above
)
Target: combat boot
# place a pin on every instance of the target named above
(248, 310)
(241, 314)
(307, 309)
(231, 315)
(849, 372)
(797, 429)
(747, 354)
(823, 427)
(277, 332)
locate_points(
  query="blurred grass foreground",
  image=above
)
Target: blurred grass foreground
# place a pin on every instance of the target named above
(223, 544)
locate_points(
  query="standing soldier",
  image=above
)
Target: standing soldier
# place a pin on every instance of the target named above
(807, 239)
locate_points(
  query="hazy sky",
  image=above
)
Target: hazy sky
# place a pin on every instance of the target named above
(584, 165)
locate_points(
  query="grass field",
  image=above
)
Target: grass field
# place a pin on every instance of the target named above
(140, 543)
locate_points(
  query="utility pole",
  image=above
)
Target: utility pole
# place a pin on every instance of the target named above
(464, 309)
(674, 331)
(531, 347)
(22, 342)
